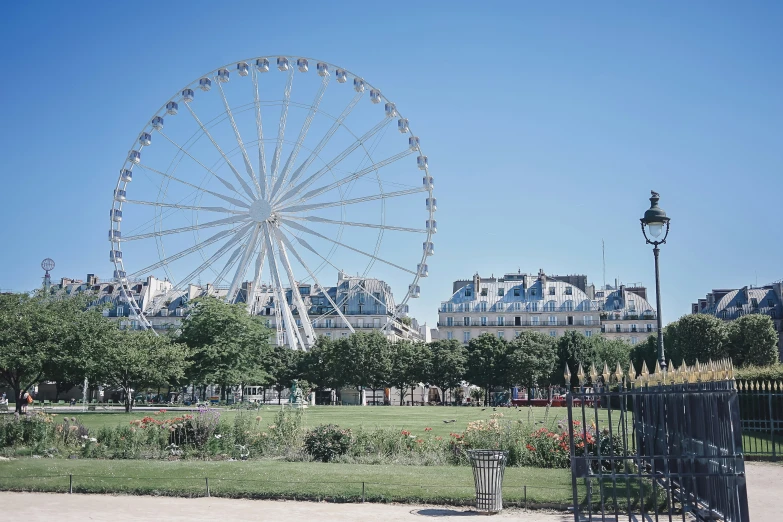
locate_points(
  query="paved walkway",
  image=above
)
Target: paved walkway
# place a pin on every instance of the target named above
(764, 481)
(45, 507)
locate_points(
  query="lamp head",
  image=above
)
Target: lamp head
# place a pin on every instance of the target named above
(655, 218)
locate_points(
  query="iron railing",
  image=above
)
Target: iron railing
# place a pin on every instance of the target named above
(658, 447)
(761, 416)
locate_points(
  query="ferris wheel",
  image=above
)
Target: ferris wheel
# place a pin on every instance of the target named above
(272, 174)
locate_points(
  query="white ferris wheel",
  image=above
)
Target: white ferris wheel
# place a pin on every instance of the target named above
(271, 173)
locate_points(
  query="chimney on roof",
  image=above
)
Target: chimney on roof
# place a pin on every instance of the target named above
(476, 282)
(542, 277)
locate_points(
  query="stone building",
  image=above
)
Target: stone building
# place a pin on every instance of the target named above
(729, 304)
(510, 304)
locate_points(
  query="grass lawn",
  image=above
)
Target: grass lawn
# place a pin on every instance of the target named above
(278, 479)
(413, 418)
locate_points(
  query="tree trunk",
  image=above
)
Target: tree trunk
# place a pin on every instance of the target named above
(402, 395)
(18, 394)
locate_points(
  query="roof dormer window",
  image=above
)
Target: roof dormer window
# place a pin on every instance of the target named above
(551, 290)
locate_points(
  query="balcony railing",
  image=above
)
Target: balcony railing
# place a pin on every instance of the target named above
(544, 322)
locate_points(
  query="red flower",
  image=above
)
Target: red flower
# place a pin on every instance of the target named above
(427, 429)
(530, 448)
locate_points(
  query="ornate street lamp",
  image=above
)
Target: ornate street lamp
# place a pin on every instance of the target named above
(653, 224)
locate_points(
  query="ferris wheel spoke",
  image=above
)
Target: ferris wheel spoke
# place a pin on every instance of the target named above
(386, 195)
(302, 262)
(212, 259)
(356, 175)
(251, 302)
(292, 331)
(317, 219)
(314, 154)
(250, 247)
(241, 181)
(248, 166)
(217, 237)
(295, 295)
(303, 228)
(340, 157)
(185, 207)
(225, 183)
(209, 224)
(281, 125)
(227, 199)
(302, 134)
(260, 133)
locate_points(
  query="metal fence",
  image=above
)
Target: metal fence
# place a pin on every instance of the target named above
(761, 416)
(663, 446)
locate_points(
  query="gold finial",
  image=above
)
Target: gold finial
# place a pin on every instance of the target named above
(710, 371)
(769, 386)
(631, 371)
(776, 386)
(593, 374)
(658, 374)
(684, 373)
(731, 369)
(581, 375)
(567, 375)
(697, 370)
(645, 371)
(739, 385)
(756, 386)
(618, 373)
(606, 374)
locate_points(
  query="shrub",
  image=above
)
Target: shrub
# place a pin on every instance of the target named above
(328, 441)
(760, 373)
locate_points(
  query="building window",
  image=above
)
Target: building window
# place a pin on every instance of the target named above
(484, 292)
(517, 321)
(449, 321)
(552, 290)
(516, 292)
(534, 320)
(501, 292)
(549, 306)
(568, 290)
(588, 319)
(468, 292)
(634, 340)
(164, 312)
(483, 321)
(633, 327)
(552, 333)
(588, 333)
(328, 335)
(450, 307)
(552, 320)
(649, 328)
(329, 323)
(449, 335)
(517, 306)
(534, 307)
(569, 306)
(499, 306)
(501, 335)
(501, 321)
(120, 310)
(617, 328)
(466, 307)
(343, 334)
(483, 306)
(466, 321)
(532, 291)
(465, 337)
(599, 294)
(516, 333)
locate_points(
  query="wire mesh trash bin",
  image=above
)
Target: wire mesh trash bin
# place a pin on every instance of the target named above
(488, 467)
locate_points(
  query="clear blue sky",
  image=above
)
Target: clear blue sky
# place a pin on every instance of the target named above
(545, 127)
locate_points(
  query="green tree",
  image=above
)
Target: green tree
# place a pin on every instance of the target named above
(645, 352)
(448, 364)
(227, 345)
(610, 352)
(573, 348)
(696, 336)
(753, 341)
(487, 362)
(372, 364)
(282, 365)
(532, 359)
(405, 365)
(318, 365)
(132, 360)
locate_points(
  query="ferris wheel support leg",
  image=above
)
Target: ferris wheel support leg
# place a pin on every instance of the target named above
(292, 333)
(315, 279)
(240, 273)
(251, 303)
(297, 297)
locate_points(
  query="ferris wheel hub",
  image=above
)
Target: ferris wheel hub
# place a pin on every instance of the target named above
(260, 210)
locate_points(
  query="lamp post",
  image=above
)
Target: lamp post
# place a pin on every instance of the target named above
(653, 223)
